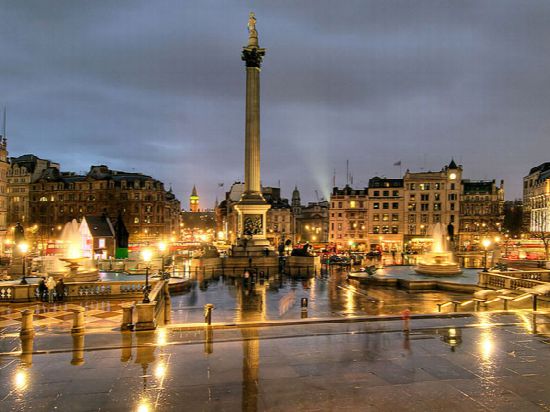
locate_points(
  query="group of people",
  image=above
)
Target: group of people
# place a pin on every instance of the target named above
(50, 290)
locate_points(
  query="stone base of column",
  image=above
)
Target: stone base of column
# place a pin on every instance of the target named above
(145, 316)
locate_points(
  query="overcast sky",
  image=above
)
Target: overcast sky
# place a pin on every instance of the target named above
(158, 88)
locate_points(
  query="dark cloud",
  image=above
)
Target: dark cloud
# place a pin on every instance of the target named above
(159, 88)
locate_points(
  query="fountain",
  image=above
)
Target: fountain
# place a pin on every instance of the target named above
(438, 262)
(78, 268)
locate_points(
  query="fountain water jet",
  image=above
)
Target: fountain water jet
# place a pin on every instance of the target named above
(438, 262)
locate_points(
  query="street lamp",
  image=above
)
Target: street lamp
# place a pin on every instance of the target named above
(162, 248)
(23, 248)
(146, 255)
(486, 243)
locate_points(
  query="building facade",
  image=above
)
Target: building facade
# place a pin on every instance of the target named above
(536, 199)
(481, 212)
(23, 171)
(311, 222)
(4, 169)
(431, 198)
(348, 221)
(148, 210)
(385, 214)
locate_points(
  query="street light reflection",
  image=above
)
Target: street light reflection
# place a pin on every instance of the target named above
(143, 406)
(160, 370)
(20, 379)
(161, 337)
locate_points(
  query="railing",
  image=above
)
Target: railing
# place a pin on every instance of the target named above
(511, 280)
(75, 291)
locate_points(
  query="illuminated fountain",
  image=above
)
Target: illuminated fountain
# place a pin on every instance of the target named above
(73, 266)
(438, 262)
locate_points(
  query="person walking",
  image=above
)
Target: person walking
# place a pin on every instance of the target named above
(60, 290)
(42, 289)
(50, 284)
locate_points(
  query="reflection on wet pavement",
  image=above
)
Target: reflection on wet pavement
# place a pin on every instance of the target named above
(482, 362)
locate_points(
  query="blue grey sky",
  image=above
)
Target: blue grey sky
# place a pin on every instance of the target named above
(158, 87)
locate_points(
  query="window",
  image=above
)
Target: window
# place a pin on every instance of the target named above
(412, 207)
(339, 226)
(352, 204)
(412, 229)
(423, 218)
(425, 198)
(395, 193)
(452, 186)
(339, 214)
(424, 186)
(385, 217)
(43, 199)
(452, 196)
(385, 205)
(412, 186)
(339, 205)
(412, 197)
(101, 243)
(376, 217)
(376, 205)
(394, 217)
(452, 218)
(376, 193)
(394, 230)
(452, 206)
(361, 205)
(437, 197)
(395, 205)
(376, 229)
(437, 186)
(412, 218)
(437, 218)
(424, 207)
(385, 229)
(437, 206)
(386, 193)
(136, 219)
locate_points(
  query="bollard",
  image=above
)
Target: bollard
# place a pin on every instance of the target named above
(455, 306)
(505, 304)
(439, 306)
(303, 303)
(78, 349)
(534, 302)
(127, 316)
(27, 328)
(78, 320)
(208, 308)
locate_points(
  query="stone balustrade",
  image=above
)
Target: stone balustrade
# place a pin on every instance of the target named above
(77, 290)
(515, 280)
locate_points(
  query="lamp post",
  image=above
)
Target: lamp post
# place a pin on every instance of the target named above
(23, 248)
(146, 256)
(162, 248)
(486, 243)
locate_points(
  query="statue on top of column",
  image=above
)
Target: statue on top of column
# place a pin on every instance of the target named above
(252, 22)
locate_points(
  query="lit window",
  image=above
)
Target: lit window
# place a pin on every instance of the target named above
(101, 243)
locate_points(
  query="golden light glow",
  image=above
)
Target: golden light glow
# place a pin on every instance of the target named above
(160, 370)
(497, 239)
(20, 379)
(162, 246)
(161, 337)
(486, 243)
(143, 406)
(23, 247)
(146, 255)
(352, 204)
(486, 345)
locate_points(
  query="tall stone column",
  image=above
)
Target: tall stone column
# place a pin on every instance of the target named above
(252, 207)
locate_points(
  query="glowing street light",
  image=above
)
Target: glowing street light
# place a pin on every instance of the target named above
(23, 248)
(146, 255)
(486, 243)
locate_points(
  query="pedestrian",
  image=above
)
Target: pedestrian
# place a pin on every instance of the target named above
(42, 289)
(50, 284)
(60, 290)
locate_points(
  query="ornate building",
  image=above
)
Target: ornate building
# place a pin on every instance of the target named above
(148, 210)
(311, 222)
(481, 211)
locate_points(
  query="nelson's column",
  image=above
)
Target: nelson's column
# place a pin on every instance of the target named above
(252, 207)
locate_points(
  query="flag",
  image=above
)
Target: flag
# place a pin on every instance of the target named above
(397, 163)
(220, 184)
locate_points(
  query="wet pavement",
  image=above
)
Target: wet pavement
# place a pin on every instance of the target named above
(481, 362)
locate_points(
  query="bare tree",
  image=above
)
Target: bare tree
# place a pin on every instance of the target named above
(540, 229)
